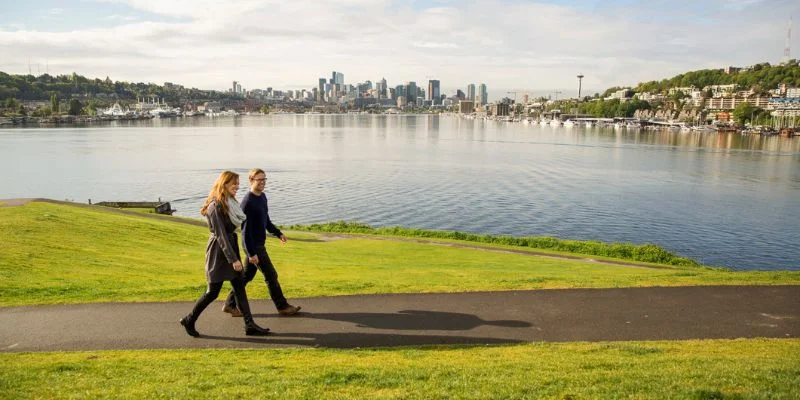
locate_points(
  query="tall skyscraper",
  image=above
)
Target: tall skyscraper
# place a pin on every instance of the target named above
(400, 91)
(471, 92)
(411, 92)
(483, 94)
(433, 92)
(380, 88)
(339, 80)
(321, 90)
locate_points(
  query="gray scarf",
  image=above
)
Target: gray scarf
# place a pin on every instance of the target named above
(235, 212)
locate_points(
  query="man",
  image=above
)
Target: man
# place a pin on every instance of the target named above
(254, 235)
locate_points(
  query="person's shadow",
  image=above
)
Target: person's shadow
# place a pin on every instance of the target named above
(413, 320)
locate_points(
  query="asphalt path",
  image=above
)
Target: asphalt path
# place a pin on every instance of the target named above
(390, 320)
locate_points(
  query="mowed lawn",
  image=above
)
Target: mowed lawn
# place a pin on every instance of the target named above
(709, 369)
(59, 254)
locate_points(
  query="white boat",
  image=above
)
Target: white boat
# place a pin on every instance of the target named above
(555, 122)
(588, 124)
(569, 123)
(544, 122)
(114, 111)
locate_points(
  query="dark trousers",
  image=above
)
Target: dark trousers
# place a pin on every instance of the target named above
(270, 277)
(212, 292)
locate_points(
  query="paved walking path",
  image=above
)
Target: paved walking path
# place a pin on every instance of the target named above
(421, 319)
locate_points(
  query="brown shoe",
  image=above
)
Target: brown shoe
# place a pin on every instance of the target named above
(289, 310)
(233, 311)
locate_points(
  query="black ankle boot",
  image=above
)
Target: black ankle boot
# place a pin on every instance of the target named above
(252, 329)
(188, 324)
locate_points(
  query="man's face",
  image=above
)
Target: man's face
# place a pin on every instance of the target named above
(258, 183)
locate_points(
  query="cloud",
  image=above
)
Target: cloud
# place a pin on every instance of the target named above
(507, 44)
(122, 18)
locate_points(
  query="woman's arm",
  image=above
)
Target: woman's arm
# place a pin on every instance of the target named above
(220, 234)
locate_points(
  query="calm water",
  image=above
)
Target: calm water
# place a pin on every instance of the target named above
(723, 199)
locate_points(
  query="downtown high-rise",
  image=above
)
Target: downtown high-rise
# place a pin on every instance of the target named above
(433, 92)
(483, 95)
(471, 92)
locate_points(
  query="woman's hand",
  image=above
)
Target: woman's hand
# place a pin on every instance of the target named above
(237, 265)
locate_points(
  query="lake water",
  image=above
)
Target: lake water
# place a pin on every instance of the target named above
(724, 199)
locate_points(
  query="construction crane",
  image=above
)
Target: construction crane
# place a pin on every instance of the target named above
(556, 93)
(515, 96)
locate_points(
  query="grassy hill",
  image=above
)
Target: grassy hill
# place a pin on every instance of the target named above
(57, 254)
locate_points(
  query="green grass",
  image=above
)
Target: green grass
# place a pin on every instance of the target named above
(58, 254)
(142, 210)
(648, 253)
(711, 369)
(63, 254)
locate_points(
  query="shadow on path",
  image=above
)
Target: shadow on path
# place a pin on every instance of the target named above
(412, 320)
(349, 340)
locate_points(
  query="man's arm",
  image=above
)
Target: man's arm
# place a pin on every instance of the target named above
(271, 228)
(248, 241)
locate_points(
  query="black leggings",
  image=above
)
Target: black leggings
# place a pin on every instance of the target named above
(212, 293)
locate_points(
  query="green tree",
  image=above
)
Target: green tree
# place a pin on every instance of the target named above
(75, 107)
(91, 108)
(54, 103)
(21, 110)
(42, 112)
(744, 112)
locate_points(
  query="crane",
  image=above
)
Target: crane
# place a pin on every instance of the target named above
(515, 96)
(557, 93)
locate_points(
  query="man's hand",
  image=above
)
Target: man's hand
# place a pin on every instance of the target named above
(253, 260)
(237, 265)
(283, 238)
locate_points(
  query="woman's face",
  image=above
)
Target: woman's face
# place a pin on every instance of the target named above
(232, 187)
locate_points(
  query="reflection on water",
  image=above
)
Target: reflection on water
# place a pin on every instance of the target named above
(724, 199)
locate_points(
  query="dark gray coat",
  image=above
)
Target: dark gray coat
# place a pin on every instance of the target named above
(223, 247)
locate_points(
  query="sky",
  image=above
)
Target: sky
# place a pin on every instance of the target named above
(537, 47)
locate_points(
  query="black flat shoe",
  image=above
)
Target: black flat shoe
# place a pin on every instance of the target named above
(255, 330)
(189, 326)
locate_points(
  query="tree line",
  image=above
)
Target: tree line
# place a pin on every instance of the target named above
(43, 87)
(760, 77)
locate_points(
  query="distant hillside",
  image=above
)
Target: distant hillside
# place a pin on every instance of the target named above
(42, 87)
(759, 77)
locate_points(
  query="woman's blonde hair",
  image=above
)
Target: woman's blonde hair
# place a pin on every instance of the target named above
(218, 192)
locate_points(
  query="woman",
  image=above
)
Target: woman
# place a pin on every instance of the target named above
(222, 253)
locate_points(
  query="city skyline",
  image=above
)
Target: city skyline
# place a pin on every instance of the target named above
(508, 45)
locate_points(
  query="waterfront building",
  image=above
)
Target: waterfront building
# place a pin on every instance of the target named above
(730, 102)
(471, 92)
(501, 109)
(466, 106)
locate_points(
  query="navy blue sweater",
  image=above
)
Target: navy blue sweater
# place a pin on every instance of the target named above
(257, 224)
